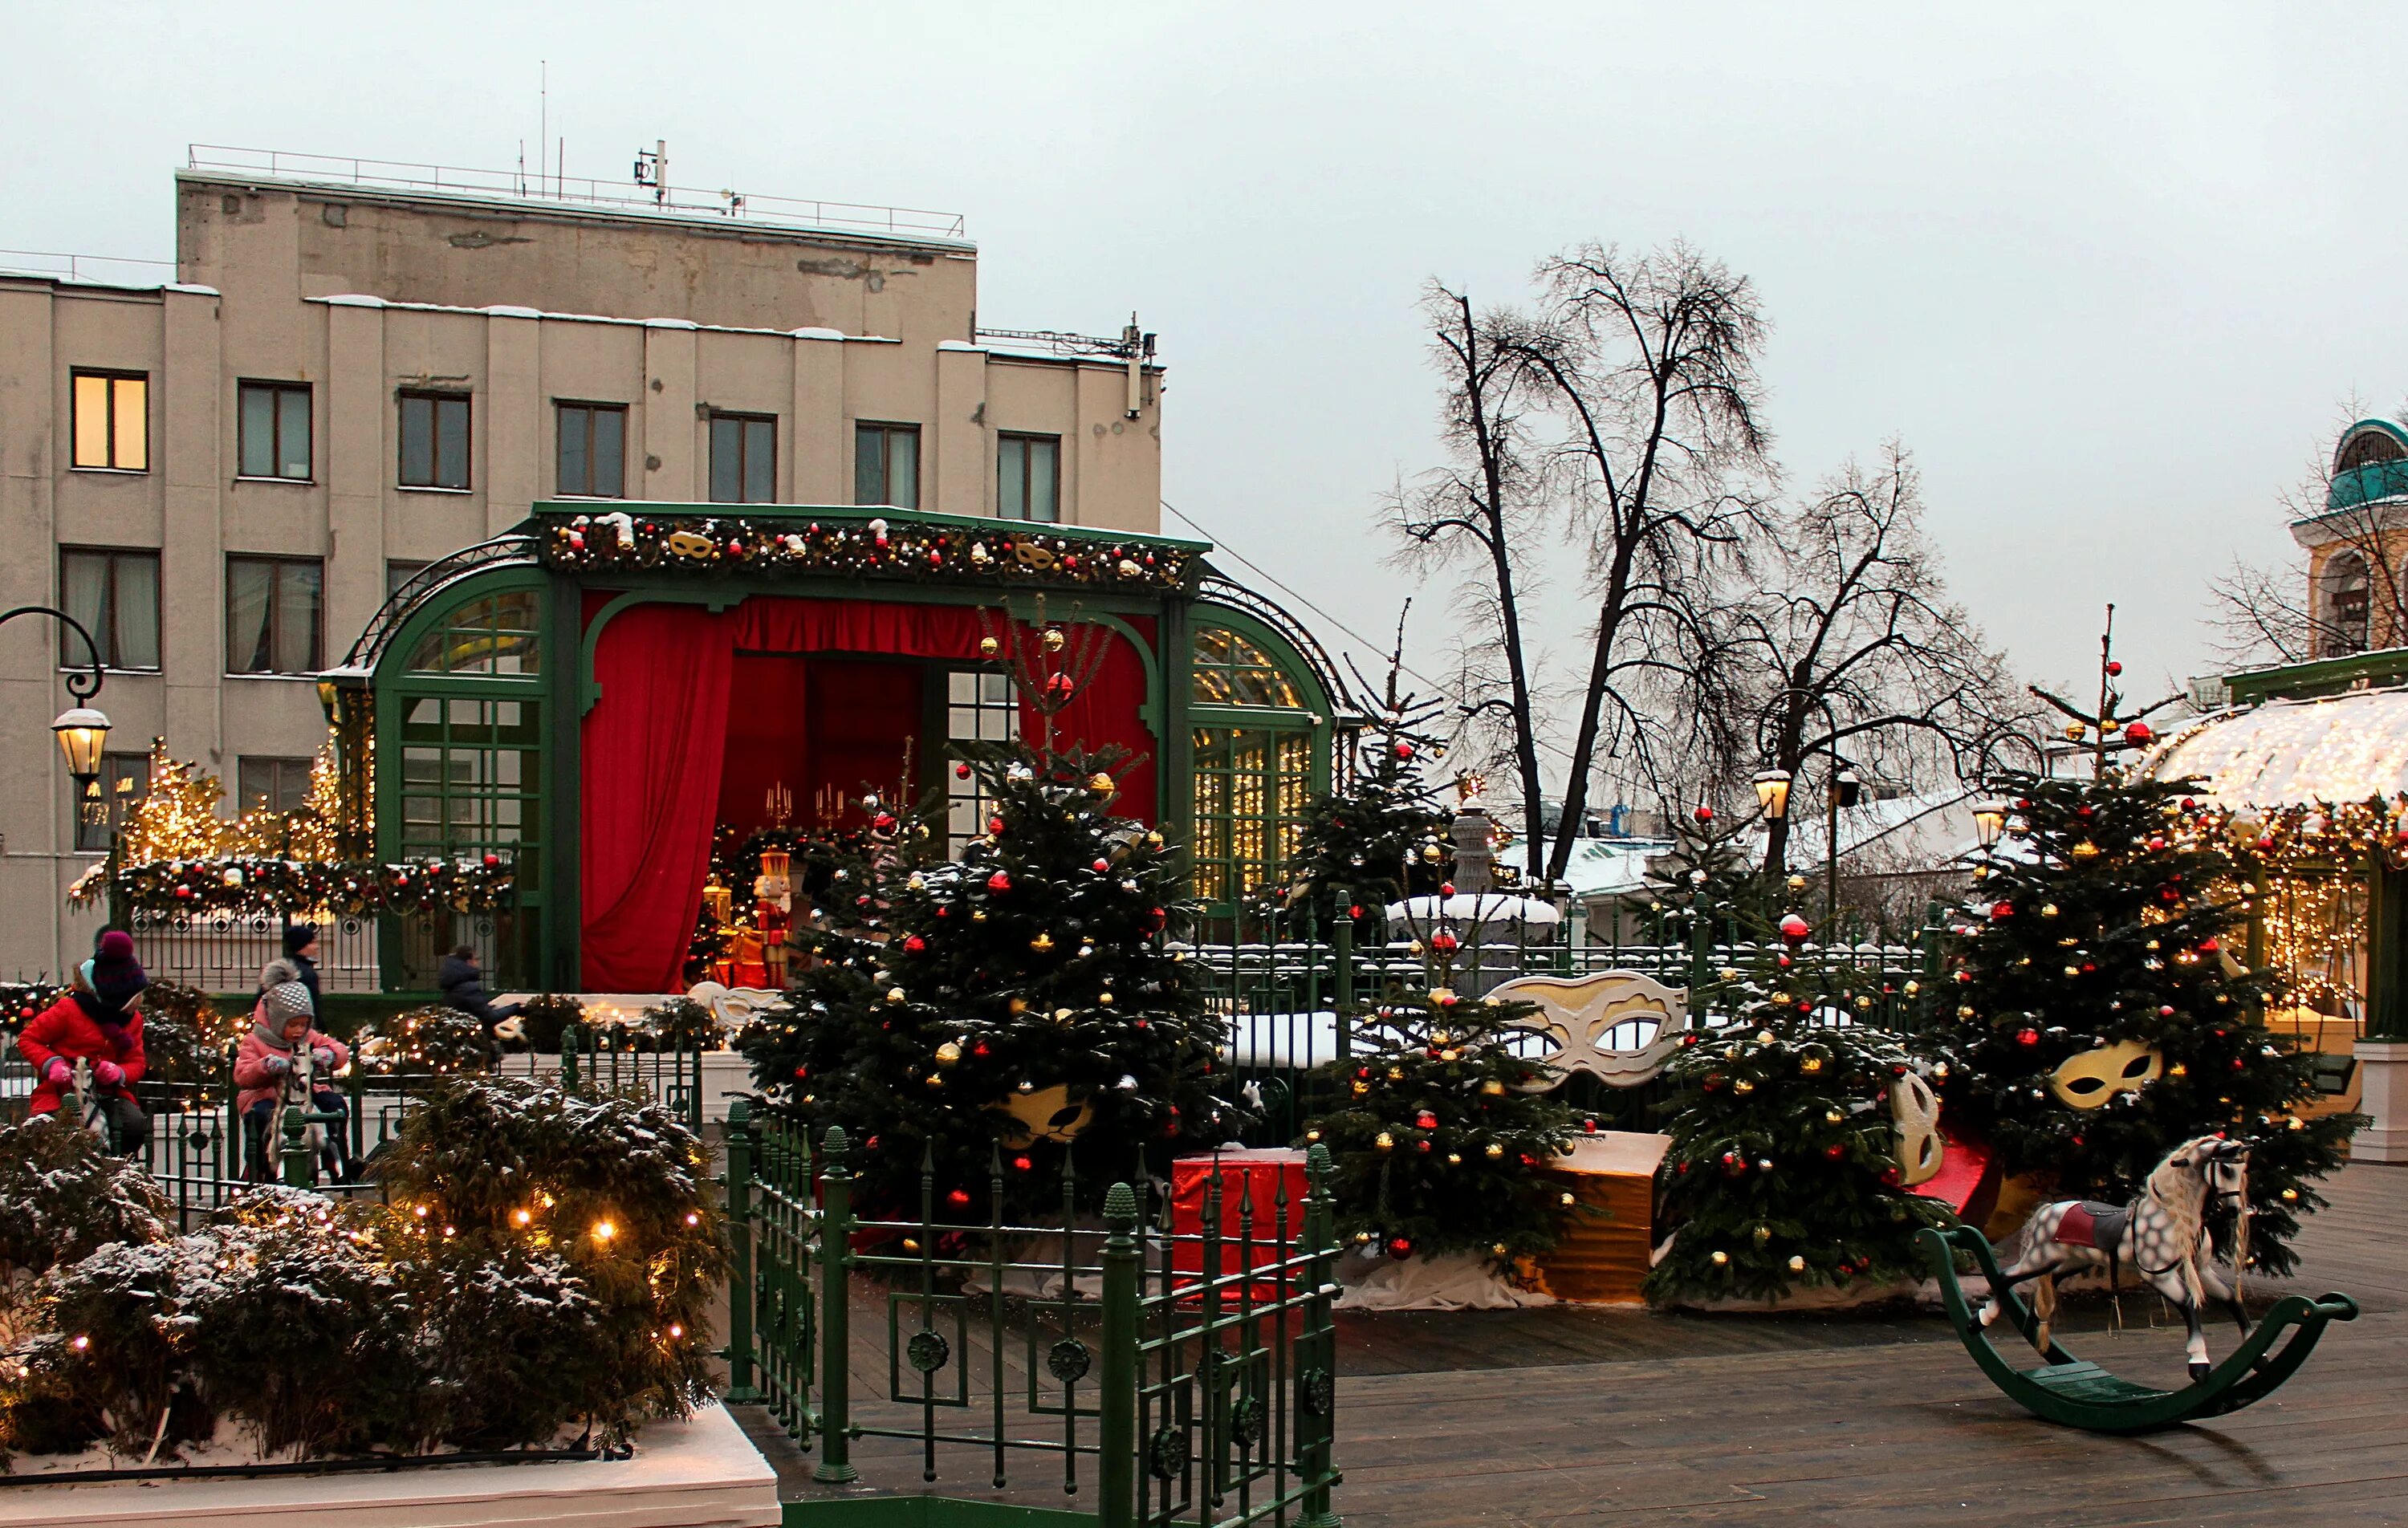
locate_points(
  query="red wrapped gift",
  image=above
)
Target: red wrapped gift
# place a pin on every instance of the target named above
(1260, 1174)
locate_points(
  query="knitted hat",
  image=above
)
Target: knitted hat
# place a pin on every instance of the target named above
(299, 937)
(114, 976)
(287, 1001)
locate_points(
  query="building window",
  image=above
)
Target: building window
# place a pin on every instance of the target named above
(743, 459)
(495, 635)
(1252, 787)
(1028, 477)
(281, 785)
(124, 779)
(980, 707)
(886, 465)
(434, 441)
(2346, 605)
(471, 774)
(112, 421)
(273, 430)
(275, 615)
(594, 449)
(399, 571)
(114, 595)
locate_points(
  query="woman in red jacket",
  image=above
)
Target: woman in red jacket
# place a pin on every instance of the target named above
(99, 1021)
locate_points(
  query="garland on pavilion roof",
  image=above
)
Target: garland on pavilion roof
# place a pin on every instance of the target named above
(1002, 551)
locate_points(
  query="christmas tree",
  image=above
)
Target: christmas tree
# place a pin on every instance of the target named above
(1369, 838)
(2100, 1019)
(1437, 1146)
(1710, 872)
(1785, 1165)
(1017, 1007)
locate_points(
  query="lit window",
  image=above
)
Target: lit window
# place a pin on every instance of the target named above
(495, 635)
(980, 705)
(1230, 670)
(112, 421)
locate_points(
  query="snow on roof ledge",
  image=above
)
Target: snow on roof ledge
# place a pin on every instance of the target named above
(2287, 752)
(1474, 908)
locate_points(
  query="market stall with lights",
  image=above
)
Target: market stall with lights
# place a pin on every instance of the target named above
(651, 714)
(2316, 791)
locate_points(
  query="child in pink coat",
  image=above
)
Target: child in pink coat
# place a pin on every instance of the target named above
(280, 1033)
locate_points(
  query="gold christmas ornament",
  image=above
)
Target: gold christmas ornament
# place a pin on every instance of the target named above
(1567, 1201)
(1832, 1117)
(989, 647)
(1019, 1005)
(1743, 1087)
(1494, 1151)
(1720, 1258)
(1797, 1264)
(1042, 943)
(948, 1054)
(1052, 640)
(1492, 1088)
(1811, 1065)
(895, 994)
(1384, 1142)
(1455, 1159)
(1101, 785)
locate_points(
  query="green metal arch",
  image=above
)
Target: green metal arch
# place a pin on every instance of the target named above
(1291, 660)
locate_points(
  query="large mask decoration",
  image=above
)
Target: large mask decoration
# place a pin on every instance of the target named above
(1915, 1124)
(1045, 1114)
(2092, 1079)
(1618, 1027)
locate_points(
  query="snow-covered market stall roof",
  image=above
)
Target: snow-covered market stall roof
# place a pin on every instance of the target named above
(2288, 752)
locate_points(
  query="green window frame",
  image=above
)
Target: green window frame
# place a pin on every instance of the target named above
(471, 779)
(1258, 754)
(498, 634)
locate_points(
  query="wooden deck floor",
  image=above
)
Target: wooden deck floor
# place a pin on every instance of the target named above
(1568, 1415)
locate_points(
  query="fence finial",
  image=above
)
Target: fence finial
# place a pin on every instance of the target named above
(1120, 1208)
(834, 1144)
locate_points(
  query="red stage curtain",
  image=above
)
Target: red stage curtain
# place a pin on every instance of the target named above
(651, 752)
(1108, 711)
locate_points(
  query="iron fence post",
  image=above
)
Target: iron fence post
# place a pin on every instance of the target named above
(1341, 960)
(1316, 1365)
(739, 1183)
(569, 1058)
(1116, 1387)
(835, 1255)
(300, 1171)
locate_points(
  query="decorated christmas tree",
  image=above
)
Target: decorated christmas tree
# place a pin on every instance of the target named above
(1018, 1006)
(2101, 1017)
(1372, 838)
(1438, 1145)
(1796, 1132)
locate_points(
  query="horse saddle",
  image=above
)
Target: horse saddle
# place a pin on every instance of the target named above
(2089, 1223)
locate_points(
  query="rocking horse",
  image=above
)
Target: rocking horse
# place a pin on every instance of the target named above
(2163, 1234)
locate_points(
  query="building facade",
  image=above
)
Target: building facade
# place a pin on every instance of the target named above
(230, 475)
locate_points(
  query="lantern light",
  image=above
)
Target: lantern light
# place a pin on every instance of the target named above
(1772, 793)
(1990, 821)
(82, 733)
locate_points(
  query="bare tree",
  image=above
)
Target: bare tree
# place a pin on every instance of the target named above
(1649, 365)
(1481, 507)
(1854, 649)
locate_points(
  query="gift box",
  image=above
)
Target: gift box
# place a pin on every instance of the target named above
(1261, 1174)
(1602, 1254)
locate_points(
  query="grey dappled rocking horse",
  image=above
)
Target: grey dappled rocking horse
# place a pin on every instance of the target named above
(2163, 1236)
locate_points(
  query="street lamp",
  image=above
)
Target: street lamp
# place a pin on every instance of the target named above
(83, 732)
(1990, 821)
(1772, 793)
(1845, 789)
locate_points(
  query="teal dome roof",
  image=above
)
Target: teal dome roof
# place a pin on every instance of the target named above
(2370, 464)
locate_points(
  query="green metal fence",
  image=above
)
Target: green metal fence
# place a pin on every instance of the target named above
(1165, 1370)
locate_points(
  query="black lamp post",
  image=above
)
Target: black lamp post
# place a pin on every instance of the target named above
(83, 730)
(1845, 791)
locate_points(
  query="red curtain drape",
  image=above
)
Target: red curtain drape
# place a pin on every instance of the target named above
(1109, 710)
(652, 746)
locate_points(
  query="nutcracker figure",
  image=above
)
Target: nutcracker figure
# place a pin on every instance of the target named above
(773, 911)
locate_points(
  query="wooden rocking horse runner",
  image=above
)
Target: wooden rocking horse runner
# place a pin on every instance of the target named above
(2163, 1234)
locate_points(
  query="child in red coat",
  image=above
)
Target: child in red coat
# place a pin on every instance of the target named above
(99, 1021)
(264, 1067)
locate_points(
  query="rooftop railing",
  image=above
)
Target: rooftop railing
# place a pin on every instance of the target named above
(118, 269)
(577, 191)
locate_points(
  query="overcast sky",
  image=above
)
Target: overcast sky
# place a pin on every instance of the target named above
(2111, 272)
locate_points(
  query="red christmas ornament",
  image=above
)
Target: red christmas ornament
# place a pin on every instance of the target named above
(957, 1197)
(915, 944)
(883, 822)
(1446, 888)
(493, 860)
(2115, 667)
(2028, 1036)
(1835, 1150)
(1443, 941)
(2003, 910)
(1399, 1249)
(995, 825)
(1355, 910)
(2139, 734)
(1021, 1164)
(2208, 946)
(999, 883)
(1588, 1126)
(1404, 751)
(1425, 1119)
(961, 771)
(1704, 814)
(1794, 929)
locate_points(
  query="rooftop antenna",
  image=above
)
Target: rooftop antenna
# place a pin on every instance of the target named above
(652, 170)
(542, 119)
